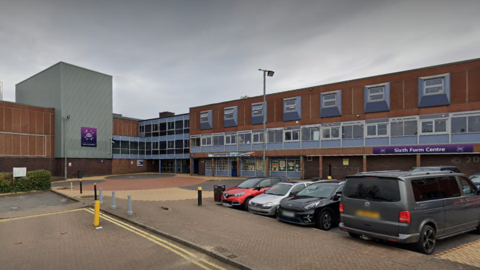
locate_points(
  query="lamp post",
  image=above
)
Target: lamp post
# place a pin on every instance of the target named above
(65, 119)
(266, 73)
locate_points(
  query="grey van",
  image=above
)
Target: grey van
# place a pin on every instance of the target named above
(409, 207)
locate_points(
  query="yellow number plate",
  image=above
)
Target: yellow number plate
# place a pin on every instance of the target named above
(368, 214)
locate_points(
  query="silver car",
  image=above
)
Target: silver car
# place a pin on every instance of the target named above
(267, 203)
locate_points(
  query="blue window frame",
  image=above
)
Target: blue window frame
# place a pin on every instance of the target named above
(292, 109)
(230, 116)
(206, 119)
(257, 113)
(331, 104)
(377, 98)
(434, 90)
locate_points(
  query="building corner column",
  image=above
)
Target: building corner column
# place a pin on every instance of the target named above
(419, 160)
(320, 167)
(301, 168)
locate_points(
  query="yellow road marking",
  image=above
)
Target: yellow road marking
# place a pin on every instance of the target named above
(158, 241)
(40, 215)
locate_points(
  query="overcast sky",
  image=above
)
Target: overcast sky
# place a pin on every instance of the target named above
(169, 55)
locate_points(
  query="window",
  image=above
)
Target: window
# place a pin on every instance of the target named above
(171, 145)
(377, 130)
(449, 186)
(293, 165)
(376, 93)
(163, 129)
(292, 135)
(195, 142)
(258, 137)
(204, 117)
(221, 165)
(244, 138)
(275, 136)
(154, 127)
(265, 183)
(352, 131)
(228, 114)
(329, 100)
(462, 124)
(230, 139)
(186, 123)
(310, 134)
(207, 141)
(372, 188)
(218, 140)
(142, 129)
(155, 145)
(257, 109)
(297, 188)
(171, 125)
(467, 187)
(208, 164)
(433, 86)
(186, 144)
(434, 126)
(403, 127)
(290, 105)
(330, 133)
(248, 165)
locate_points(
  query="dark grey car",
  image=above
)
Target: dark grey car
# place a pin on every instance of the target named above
(410, 207)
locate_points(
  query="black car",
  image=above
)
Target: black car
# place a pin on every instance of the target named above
(317, 204)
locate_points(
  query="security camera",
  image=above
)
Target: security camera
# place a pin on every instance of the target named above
(68, 116)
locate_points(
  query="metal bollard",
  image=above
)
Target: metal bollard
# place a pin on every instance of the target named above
(80, 186)
(71, 186)
(114, 206)
(96, 215)
(101, 197)
(129, 212)
(199, 195)
(95, 190)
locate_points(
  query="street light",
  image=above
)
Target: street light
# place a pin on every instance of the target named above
(65, 119)
(266, 73)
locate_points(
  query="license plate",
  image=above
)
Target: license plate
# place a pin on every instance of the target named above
(368, 214)
(288, 214)
(226, 204)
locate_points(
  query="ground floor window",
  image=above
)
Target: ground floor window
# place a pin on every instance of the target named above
(248, 165)
(285, 165)
(208, 164)
(221, 165)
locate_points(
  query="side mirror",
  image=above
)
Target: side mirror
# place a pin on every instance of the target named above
(337, 196)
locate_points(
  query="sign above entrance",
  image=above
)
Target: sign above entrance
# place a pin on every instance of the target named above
(233, 154)
(424, 149)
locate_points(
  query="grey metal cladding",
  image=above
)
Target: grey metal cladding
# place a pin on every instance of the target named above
(45, 90)
(88, 100)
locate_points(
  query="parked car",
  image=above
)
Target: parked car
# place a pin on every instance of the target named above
(317, 204)
(267, 203)
(436, 168)
(240, 195)
(475, 179)
(409, 207)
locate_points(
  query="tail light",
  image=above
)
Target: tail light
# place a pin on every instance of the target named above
(341, 208)
(404, 217)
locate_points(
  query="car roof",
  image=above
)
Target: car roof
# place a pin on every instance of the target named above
(338, 182)
(402, 174)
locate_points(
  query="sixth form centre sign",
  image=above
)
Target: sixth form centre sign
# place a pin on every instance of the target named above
(424, 149)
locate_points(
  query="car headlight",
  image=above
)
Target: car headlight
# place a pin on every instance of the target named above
(267, 204)
(239, 194)
(312, 205)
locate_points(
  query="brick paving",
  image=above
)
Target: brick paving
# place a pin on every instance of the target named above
(264, 243)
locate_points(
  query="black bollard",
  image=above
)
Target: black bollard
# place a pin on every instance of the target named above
(80, 186)
(199, 195)
(95, 190)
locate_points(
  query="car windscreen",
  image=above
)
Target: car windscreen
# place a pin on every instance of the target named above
(318, 191)
(372, 188)
(279, 189)
(475, 178)
(249, 183)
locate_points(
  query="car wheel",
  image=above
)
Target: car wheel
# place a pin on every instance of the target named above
(325, 220)
(245, 203)
(427, 242)
(354, 235)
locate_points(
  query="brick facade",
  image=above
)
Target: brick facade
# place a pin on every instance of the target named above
(124, 166)
(31, 163)
(125, 127)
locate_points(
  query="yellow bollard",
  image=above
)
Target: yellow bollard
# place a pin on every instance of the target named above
(329, 177)
(96, 216)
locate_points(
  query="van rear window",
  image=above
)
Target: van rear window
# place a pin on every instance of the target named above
(372, 189)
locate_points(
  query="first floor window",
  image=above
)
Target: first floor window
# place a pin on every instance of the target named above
(244, 138)
(218, 140)
(434, 126)
(403, 127)
(195, 142)
(377, 130)
(466, 124)
(275, 136)
(206, 141)
(230, 139)
(330, 132)
(352, 131)
(292, 135)
(310, 134)
(258, 137)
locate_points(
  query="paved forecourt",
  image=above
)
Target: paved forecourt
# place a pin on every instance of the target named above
(68, 240)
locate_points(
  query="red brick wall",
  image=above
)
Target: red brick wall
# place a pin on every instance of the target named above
(340, 171)
(89, 167)
(311, 168)
(124, 166)
(398, 162)
(468, 164)
(31, 163)
(201, 166)
(465, 82)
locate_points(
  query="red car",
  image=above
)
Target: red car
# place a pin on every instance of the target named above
(241, 194)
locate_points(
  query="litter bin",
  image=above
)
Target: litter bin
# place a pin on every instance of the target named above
(79, 174)
(217, 192)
